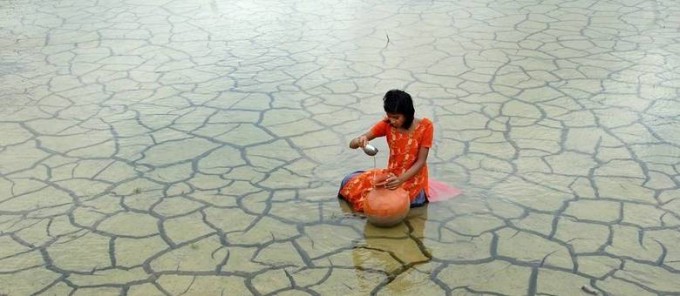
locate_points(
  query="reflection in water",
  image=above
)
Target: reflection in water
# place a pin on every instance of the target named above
(392, 251)
(147, 137)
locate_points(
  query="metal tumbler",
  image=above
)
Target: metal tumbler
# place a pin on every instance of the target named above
(370, 150)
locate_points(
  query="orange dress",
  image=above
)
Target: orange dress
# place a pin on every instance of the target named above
(404, 149)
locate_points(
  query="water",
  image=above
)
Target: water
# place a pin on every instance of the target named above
(375, 178)
(180, 146)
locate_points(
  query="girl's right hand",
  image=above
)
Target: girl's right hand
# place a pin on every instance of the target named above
(362, 141)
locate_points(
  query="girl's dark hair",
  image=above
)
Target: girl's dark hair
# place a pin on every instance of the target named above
(400, 102)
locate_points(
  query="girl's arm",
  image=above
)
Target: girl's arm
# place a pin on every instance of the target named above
(394, 181)
(362, 140)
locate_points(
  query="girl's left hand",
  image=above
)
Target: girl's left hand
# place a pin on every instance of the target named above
(393, 182)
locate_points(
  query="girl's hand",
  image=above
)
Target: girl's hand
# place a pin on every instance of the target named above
(393, 182)
(361, 141)
(382, 179)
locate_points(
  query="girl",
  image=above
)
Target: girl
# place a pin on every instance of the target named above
(409, 140)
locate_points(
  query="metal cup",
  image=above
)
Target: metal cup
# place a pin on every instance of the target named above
(370, 150)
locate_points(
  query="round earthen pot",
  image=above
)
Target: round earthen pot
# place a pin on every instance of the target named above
(386, 207)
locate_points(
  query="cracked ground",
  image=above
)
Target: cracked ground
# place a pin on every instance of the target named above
(166, 147)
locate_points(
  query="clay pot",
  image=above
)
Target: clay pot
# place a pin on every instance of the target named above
(385, 207)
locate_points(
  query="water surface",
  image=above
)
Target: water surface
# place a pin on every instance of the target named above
(195, 147)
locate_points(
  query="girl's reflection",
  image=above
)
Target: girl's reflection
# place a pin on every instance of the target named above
(391, 251)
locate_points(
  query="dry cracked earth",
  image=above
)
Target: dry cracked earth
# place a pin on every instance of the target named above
(165, 147)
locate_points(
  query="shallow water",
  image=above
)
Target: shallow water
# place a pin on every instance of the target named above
(195, 147)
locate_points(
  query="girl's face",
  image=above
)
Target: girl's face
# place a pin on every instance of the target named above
(396, 120)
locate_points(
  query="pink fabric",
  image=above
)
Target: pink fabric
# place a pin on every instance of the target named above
(440, 191)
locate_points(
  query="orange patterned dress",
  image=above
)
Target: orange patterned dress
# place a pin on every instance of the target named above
(404, 147)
